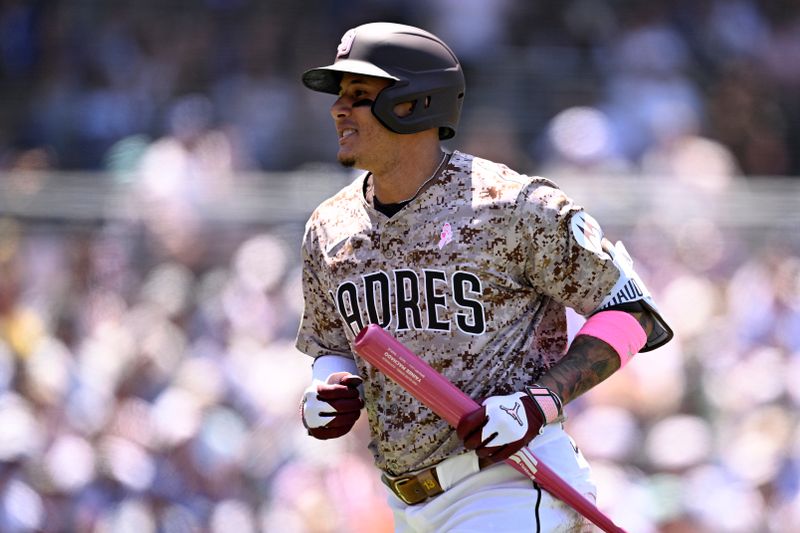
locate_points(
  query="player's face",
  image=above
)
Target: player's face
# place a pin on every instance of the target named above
(362, 138)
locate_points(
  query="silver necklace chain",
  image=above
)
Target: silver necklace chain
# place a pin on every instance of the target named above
(424, 183)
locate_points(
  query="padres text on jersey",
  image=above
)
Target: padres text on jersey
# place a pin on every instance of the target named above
(408, 299)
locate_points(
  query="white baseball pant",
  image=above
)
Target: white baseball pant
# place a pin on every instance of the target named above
(499, 499)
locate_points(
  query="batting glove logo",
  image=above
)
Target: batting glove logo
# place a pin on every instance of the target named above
(513, 412)
(509, 423)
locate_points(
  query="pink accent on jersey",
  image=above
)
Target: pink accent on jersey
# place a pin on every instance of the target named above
(446, 236)
(620, 330)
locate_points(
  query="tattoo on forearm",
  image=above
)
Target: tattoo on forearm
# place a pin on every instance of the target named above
(588, 362)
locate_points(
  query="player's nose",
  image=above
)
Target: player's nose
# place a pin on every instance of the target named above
(340, 108)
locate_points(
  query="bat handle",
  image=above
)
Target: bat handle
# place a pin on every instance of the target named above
(526, 463)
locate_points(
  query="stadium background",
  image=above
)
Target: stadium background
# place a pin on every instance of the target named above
(159, 160)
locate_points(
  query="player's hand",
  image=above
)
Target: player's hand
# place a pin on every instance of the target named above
(504, 424)
(330, 408)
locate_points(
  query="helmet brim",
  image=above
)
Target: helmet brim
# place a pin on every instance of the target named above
(327, 79)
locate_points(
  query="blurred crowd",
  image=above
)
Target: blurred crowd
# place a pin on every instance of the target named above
(149, 384)
(147, 390)
(706, 87)
(148, 379)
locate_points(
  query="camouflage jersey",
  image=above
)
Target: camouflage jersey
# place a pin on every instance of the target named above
(473, 275)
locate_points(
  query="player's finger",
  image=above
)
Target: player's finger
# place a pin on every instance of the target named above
(343, 420)
(325, 433)
(501, 453)
(474, 442)
(482, 447)
(471, 422)
(336, 392)
(351, 381)
(347, 405)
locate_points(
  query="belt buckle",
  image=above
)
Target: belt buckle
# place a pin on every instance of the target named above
(398, 485)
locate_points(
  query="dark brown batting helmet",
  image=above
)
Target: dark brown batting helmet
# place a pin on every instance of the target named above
(422, 68)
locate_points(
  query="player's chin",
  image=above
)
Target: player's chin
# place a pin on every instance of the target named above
(346, 160)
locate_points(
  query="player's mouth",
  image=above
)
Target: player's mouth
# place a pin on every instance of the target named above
(345, 133)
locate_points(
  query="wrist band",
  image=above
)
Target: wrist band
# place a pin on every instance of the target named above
(325, 365)
(619, 330)
(547, 401)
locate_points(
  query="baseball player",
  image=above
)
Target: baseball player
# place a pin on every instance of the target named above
(471, 265)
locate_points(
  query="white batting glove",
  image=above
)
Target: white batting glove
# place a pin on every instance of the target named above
(504, 424)
(330, 408)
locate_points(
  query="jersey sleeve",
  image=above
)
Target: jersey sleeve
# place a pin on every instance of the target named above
(565, 259)
(321, 330)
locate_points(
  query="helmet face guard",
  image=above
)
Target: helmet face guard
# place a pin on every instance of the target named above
(423, 70)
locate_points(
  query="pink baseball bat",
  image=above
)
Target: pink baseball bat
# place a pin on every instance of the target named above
(420, 379)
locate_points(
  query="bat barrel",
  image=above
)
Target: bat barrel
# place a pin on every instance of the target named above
(415, 375)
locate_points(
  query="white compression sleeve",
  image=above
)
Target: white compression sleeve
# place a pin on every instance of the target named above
(325, 365)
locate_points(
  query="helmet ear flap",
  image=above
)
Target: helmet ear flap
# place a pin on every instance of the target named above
(433, 106)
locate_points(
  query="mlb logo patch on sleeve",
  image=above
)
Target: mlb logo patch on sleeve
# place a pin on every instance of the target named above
(588, 234)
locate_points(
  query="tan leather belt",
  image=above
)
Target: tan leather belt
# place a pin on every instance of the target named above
(414, 488)
(417, 487)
